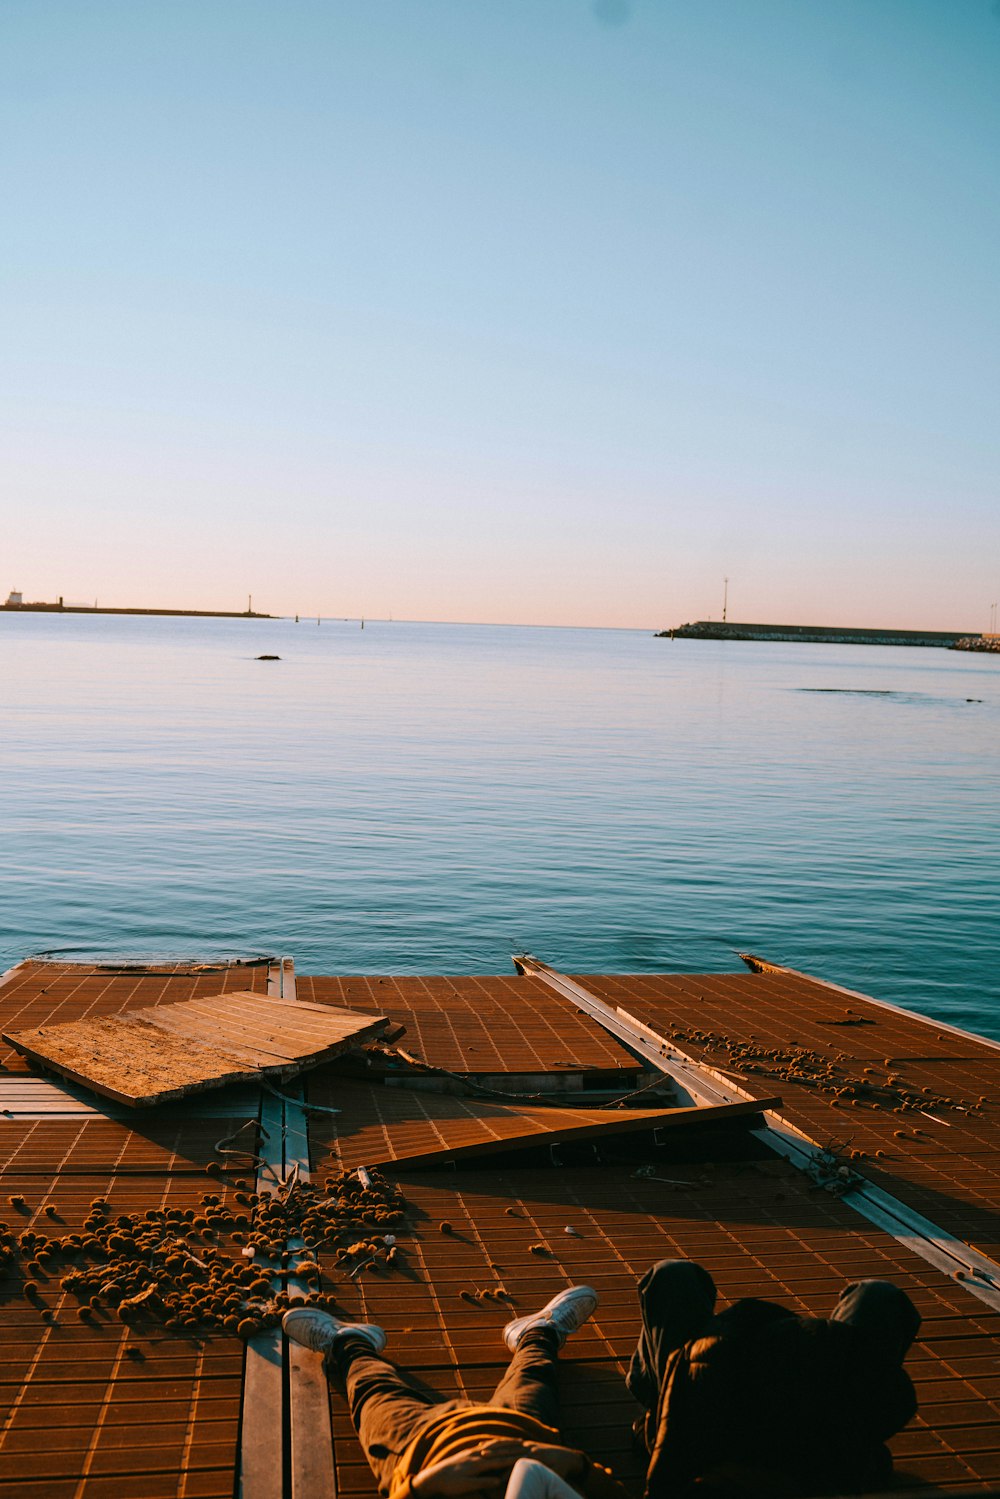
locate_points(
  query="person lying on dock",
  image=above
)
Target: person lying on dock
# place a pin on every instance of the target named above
(419, 1443)
(757, 1401)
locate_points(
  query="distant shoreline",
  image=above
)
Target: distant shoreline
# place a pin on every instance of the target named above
(88, 609)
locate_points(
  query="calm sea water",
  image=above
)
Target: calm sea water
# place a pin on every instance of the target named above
(430, 798)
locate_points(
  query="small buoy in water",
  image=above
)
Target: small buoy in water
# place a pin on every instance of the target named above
(268, 658)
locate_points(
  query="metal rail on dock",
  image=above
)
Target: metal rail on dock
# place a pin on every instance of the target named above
(285, 1424)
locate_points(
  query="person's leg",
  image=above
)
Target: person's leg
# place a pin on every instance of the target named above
(677, 1300)
(529, 1384)
(883, 1311)
(386, 1404)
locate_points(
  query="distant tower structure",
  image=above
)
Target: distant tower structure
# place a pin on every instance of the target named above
(725, 598)
(15, 599)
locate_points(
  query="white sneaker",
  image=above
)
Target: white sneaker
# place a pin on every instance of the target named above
(565, 1313)
(319, 1331)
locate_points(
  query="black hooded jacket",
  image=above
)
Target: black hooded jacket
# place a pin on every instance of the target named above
(770, 1403)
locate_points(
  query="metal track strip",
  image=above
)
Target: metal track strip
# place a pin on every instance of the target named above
(980, 1274)
(262, 1426)
(262, 1417)
(286, 1450)
(703, 1084)
(310, 1423)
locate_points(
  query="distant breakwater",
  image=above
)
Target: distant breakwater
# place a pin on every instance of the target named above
(703, 629)
(93, 609)
(979, 643)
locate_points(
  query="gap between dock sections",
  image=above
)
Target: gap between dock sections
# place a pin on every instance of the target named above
(979, 1273)
(286, 1433)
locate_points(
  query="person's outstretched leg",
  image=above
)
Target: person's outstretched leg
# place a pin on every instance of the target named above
(529, 1384)
(883, 1311)
(386, 1404)
(677, 1300)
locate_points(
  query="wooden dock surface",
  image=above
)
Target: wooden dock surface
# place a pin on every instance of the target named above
(484, 1026)
(83, 1419)
(941, 1155)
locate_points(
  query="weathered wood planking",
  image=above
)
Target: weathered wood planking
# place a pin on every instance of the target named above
(27, 1097)
(146, 1057)
(409, 1130)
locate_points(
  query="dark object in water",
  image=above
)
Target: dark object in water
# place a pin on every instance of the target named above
(268, 658)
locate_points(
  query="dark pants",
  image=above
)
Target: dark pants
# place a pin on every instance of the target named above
(388, 1406)
(685, 1304)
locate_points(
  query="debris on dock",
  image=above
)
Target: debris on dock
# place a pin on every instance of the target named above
(151, 1056)
(411, 1130)
(438, 1201)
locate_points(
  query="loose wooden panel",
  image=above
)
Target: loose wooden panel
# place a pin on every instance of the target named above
(44, 993)
(149, 1056)
(380, 1126)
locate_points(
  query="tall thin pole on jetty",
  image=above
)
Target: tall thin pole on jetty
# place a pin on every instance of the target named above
(725, 598)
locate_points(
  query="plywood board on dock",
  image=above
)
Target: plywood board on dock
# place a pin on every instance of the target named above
(147, 1057)
(380, 1126)
(52, 993)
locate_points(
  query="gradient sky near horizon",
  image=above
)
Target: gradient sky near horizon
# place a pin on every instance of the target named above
(541, 311)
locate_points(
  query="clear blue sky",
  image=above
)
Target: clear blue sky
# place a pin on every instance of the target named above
(517, 310)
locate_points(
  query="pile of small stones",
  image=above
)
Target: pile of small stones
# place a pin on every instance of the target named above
(214, 1269)
(876, 1087)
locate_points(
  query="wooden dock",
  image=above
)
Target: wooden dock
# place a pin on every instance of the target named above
(865, 1146)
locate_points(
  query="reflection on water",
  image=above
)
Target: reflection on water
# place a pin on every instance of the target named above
(430, 798)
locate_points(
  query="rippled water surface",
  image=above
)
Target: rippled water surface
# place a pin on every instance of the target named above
(430, 798)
